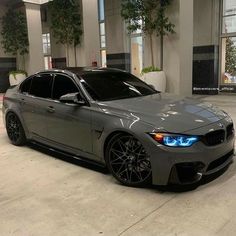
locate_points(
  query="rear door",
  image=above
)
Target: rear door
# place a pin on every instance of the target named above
(35, 101)
(69, 124)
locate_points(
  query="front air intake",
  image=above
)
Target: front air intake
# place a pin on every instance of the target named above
(229, 131)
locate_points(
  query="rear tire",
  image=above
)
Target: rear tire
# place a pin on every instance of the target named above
(15, 130)
(128, 161)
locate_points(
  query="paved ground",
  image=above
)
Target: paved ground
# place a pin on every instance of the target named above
(41, 195)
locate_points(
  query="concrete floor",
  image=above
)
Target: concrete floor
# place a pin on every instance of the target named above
(41, 195)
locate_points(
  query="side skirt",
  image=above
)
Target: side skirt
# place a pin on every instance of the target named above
(67, 154)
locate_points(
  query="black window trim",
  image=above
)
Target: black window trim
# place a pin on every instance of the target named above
(80, 90)
(22, 84)
(38, 75)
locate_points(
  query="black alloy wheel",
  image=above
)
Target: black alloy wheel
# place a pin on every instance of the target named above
(15, 130)
(128, 161)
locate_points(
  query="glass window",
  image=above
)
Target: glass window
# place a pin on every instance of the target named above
(229, 16)
(115, 85)
(103, 41)
(48, 62)
(41, 86)
(138, 31)
(62, 86)
(102, 28)
(229, 24)
(101, 10)
(102, 32)
(46, 44)
(229, 60)
(229, 7)
(228, 43)
(104, 58)
(25, 87)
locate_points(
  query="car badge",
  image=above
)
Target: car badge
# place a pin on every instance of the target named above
(221, 125)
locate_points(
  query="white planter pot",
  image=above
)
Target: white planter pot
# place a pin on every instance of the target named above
(157, 79)
(15, 79)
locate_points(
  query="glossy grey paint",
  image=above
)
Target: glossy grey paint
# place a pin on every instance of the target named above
(84, 130)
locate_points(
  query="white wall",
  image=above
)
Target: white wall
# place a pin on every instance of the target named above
(178, 49)
(206, 22)
(186, 47)
(89, 50)
(172, 51)
(34, 61)
(117, 36)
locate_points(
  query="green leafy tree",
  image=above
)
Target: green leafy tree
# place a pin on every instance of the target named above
(230, 66)
(150, 17)
(15, 35)
(66, 23)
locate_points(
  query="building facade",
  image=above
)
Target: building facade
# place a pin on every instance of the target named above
(198, 58)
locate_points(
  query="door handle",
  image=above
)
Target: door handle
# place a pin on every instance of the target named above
(22, 101)
(50, 109)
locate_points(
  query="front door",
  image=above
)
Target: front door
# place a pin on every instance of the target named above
(69, 124)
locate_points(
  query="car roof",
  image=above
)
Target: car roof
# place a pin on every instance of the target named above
(81, 70)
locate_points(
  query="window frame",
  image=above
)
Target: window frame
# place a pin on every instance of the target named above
(83, 92)
(80, 90)
(67, 76)
(221, 37)
(102, 21)
(38, 75)
(22, 84)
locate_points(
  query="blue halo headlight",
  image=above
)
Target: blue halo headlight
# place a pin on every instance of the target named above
(175, 140)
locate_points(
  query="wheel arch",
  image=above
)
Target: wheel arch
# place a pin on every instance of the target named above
(8, 111)
(110, 136)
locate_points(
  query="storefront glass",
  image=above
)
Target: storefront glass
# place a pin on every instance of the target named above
(228, 44)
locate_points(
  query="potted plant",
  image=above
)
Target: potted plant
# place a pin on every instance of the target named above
(150, 17)
(154, 76)
(66, 24)
(16, 77)
(15, 41)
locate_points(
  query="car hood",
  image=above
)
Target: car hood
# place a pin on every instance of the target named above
(166, 111)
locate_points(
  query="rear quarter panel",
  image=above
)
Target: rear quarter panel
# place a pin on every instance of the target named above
(11, 103)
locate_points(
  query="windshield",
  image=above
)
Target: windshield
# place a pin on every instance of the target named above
(106, 86)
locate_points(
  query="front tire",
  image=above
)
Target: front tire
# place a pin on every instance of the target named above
(15, 130)
(128, 161)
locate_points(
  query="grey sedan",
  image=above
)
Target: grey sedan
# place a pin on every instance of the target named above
(114, 119)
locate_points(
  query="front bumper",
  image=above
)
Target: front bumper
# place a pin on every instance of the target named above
(188, 165)
(192, 172)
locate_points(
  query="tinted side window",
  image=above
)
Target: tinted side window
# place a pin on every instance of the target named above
(42, 86)
(63, 85)
(25, 87)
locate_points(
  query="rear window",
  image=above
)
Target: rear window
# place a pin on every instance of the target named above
(41, 86)
(25, 86)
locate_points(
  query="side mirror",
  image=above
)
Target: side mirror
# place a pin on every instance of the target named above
(74, 98)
